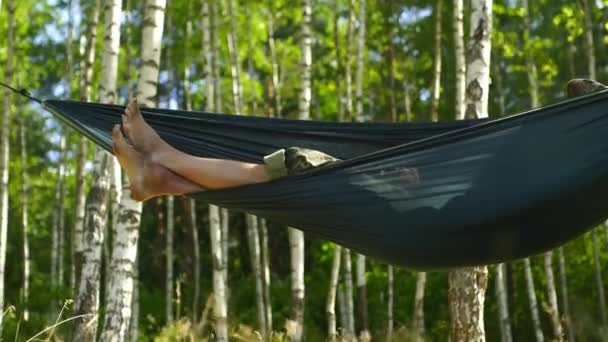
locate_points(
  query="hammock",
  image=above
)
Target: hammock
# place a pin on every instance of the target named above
(487, 192)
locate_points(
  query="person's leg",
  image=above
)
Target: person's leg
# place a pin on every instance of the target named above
(148, 179)
(207, 172)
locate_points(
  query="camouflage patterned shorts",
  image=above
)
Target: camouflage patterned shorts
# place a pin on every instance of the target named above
(295, 160)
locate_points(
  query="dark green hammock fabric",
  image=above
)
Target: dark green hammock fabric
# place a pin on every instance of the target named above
(488, 191)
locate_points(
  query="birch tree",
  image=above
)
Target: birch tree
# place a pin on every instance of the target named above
(360, 58)
(437, 63)
(219, 288)
(503, 309)
(169, 260)
(467, 286)
(330, 304)
(87, 301)
(419, 306)
(459, 60)
(296, 237)
(349, 327)
(266, 274)
(190, 203)
(350, 44)
(254, 252)
(4, 150)
(88, 49)
(552, 308)
(211, 84)
(58, 211)
(338, 52)
(364, 334)
(253, 236)
(390, 300)
(124, 251)
(169, 203)
(538, 332)
(25, 226)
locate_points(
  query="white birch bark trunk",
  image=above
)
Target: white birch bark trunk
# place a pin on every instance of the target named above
(78, 228)
(364, 333)
(338, 52)
(88, 48)
(589, 44)
(467, 287)
(419, 306)
(407, 100)
(350, 44)
(342, 307)
(233, 48)
(169, 261)
(122, 281)
(225, 230)
(4, 151)
(360, 59)
(25, 222)
(219, 277)
(296, 247)
(459, 60)
(349, 327)
(553, 309)
(564, 291)
(330, 305)
(124, 251)
(253, 238)
(478, 63)
(266, 273)
(219, 288)
(437, 62)
(191, 203)
(87, 300)
(296, 237)
(390, 61)
(89, 269)
(217, 84)
(390, 302)
(503, 306)
(466, 296)
(538, 332)
(57, 212)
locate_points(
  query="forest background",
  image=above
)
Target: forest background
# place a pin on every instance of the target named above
(370, 60)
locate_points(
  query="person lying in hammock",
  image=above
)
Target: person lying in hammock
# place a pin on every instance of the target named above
(155, 168)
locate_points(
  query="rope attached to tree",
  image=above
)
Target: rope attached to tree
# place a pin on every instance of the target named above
(22, 92)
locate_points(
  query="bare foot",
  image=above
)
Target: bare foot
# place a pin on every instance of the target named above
(143, 137)
(147, 179)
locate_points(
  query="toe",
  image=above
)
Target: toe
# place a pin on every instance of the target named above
(132, 109)
(116, 138)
